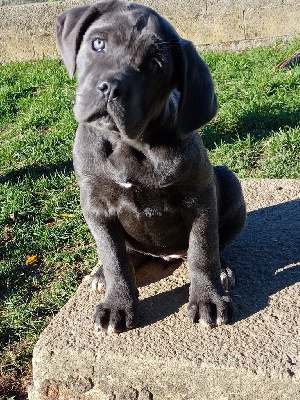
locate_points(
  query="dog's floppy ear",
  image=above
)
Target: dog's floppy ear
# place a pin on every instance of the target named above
(71, 26)
(198, 102)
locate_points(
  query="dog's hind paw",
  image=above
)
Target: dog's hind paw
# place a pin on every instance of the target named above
(227, 276)
(98, 281)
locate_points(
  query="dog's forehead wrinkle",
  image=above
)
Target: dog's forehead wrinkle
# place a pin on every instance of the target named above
(126, 23)
(143, 18)
(97, 30)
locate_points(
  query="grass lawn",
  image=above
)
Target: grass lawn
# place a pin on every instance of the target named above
(45, 246)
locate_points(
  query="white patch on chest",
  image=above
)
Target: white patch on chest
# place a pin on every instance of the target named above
(172, 257)
(126, 184)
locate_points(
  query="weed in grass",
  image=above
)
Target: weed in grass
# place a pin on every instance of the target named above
(256, 133)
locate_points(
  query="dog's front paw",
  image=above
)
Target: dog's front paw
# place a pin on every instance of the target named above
(115, 315)
(208, 307)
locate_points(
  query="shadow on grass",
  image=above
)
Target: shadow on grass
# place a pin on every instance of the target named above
(265, 257)
(36, 172)
(258, 123)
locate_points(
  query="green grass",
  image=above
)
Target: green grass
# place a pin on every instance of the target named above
(257, 129)
(256, 133)
(40, 213)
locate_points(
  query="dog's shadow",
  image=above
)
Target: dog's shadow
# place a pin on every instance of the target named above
(266, 259)
(166, 302)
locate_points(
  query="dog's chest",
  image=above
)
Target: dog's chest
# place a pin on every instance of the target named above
(128, 166)
(133, 181)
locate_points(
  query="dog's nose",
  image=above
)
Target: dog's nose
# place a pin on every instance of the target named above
(103, 87)
(109, 89)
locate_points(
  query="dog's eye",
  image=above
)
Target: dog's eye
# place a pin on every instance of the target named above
(156, 64)
(98, 45)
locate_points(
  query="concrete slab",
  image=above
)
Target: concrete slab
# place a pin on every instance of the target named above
(166, 357)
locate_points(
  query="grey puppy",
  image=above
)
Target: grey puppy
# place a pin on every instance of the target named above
(147, 187)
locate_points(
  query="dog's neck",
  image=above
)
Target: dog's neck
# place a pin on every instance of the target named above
(129, 161)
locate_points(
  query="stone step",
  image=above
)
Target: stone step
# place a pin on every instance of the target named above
(167, 357)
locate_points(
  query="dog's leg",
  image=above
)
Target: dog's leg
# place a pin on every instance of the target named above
(232, 216)
(98, 280)
(207, 303)
(118, 310)
(231, 204)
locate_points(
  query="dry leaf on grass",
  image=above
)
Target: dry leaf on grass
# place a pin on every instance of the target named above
(31, 260)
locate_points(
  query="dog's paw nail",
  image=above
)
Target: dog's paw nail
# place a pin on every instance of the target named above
(97, 286)
(111, 330)
(221, 321)
(227, 277)
(94, 285)
(98, 330)
(205, 324)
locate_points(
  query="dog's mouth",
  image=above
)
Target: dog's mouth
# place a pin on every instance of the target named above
(103, 118)
(108, 121)
(106, 117)
(110, 115)
(86, 109)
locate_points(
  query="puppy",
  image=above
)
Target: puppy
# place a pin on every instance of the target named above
(147, 187)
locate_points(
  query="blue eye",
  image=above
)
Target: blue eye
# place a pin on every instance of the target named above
(98, 45)
(156, 64)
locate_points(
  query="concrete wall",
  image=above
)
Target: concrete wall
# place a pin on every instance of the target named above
(27, 31)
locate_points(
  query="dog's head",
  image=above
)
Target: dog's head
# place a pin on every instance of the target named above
(129, 60)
